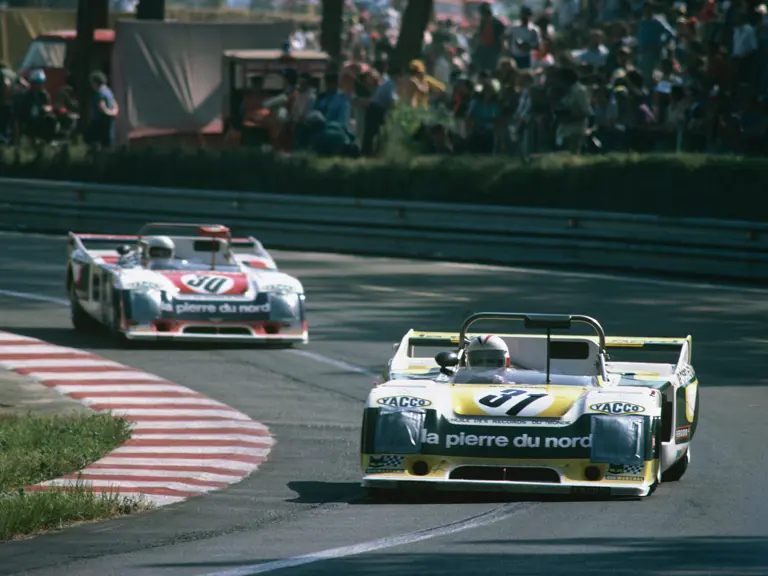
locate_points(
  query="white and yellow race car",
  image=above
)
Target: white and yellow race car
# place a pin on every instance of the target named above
(528, 412)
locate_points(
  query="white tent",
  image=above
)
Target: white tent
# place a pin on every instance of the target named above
(166, 76)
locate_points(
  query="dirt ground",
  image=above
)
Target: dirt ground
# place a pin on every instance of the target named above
(20, 395)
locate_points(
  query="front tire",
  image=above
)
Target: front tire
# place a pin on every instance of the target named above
(678, 469)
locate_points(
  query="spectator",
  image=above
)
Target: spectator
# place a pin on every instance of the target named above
(524, 39)
(104, 110)
(36, 118)
(652, 34)
(413, 89)
(490, 40)
(302, 106)
(333, 104)
(481, 118)
(573, 113)
(596, 55)
(382, 101)
(7, 81)
(744, 49)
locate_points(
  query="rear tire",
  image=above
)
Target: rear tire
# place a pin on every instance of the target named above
(678, 469)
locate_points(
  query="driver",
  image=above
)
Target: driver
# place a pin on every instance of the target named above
(487, 361)
(488, 351)
(160, 252)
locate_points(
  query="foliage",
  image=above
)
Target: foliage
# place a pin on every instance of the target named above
(668, 185)
(38, 448)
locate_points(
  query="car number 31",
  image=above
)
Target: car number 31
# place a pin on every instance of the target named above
(513, 402)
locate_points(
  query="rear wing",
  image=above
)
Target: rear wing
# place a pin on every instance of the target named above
(414, 339)
(113, 241)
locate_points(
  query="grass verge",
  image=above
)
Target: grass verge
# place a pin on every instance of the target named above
(38, 448)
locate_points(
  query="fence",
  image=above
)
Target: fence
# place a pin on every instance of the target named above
(514, 236)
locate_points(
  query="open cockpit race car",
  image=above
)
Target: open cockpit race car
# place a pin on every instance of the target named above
(530, 412)
(183, 282)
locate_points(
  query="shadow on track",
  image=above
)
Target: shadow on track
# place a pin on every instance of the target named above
(102, 339)
(569, 557)
(310, 492)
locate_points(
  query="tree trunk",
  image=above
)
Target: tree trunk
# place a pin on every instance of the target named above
(331, 28)
(150, 10)
(414, 22)
(91, 14)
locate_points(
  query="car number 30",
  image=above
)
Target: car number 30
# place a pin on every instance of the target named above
(208, 283)
(514, 402)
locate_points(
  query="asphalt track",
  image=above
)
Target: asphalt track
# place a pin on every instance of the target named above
(305, 499)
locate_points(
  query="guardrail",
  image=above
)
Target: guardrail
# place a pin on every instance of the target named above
(491, 234)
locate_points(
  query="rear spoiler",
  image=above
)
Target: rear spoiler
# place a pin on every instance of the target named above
(611, 342)
(107, 240)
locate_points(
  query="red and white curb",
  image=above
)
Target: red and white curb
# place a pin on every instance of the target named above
(183, 444)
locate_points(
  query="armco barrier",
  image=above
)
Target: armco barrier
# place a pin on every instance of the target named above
(493, 234)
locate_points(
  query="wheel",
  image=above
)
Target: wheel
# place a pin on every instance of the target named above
(81, 321)
(678, 469)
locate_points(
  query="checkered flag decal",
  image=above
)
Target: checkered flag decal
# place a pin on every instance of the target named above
(633, 469)
(385, 462)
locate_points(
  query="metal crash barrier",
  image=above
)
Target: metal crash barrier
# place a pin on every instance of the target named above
(459, 232)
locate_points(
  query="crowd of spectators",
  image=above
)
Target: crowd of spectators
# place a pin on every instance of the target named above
(29, 112)
(585, 76)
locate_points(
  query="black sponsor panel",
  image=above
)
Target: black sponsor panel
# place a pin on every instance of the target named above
(440, 437)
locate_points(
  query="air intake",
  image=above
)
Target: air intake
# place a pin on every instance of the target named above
(502, 474)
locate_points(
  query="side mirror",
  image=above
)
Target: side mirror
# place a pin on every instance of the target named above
(123, 250)
(445, 359)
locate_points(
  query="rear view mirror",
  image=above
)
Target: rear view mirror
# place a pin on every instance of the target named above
(446, 359)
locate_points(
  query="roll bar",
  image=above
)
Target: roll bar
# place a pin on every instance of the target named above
(547, 322)
(197, 226)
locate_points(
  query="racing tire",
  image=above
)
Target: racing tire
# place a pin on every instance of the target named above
(678, 469)
(81, 320)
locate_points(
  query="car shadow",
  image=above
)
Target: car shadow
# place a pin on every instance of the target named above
(316, 492)
(103, 339)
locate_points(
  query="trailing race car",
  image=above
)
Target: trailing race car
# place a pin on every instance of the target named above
(197, 283)
(529, 412)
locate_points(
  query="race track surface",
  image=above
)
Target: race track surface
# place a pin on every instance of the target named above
(306, 498)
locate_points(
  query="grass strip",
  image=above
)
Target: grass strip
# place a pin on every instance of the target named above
(38, 448)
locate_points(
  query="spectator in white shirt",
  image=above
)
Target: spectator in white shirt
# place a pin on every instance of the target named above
(596, 54)
(745, 47)
(524, 38)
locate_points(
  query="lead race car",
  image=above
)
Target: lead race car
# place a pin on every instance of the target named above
(530, 412)
(195, 282)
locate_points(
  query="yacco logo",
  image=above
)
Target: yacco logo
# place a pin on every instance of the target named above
(617, 408)
(189, 308)
(404, 402)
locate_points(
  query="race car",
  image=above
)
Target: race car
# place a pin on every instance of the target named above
(175, 281)
(530, 412)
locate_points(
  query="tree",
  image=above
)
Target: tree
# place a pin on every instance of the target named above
(331, 28)
(91, 15)
(411, 39)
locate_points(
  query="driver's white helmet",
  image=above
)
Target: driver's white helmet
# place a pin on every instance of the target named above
(160, 248)
(488, 351)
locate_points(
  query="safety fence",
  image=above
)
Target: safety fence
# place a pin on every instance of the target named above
(460, 232)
